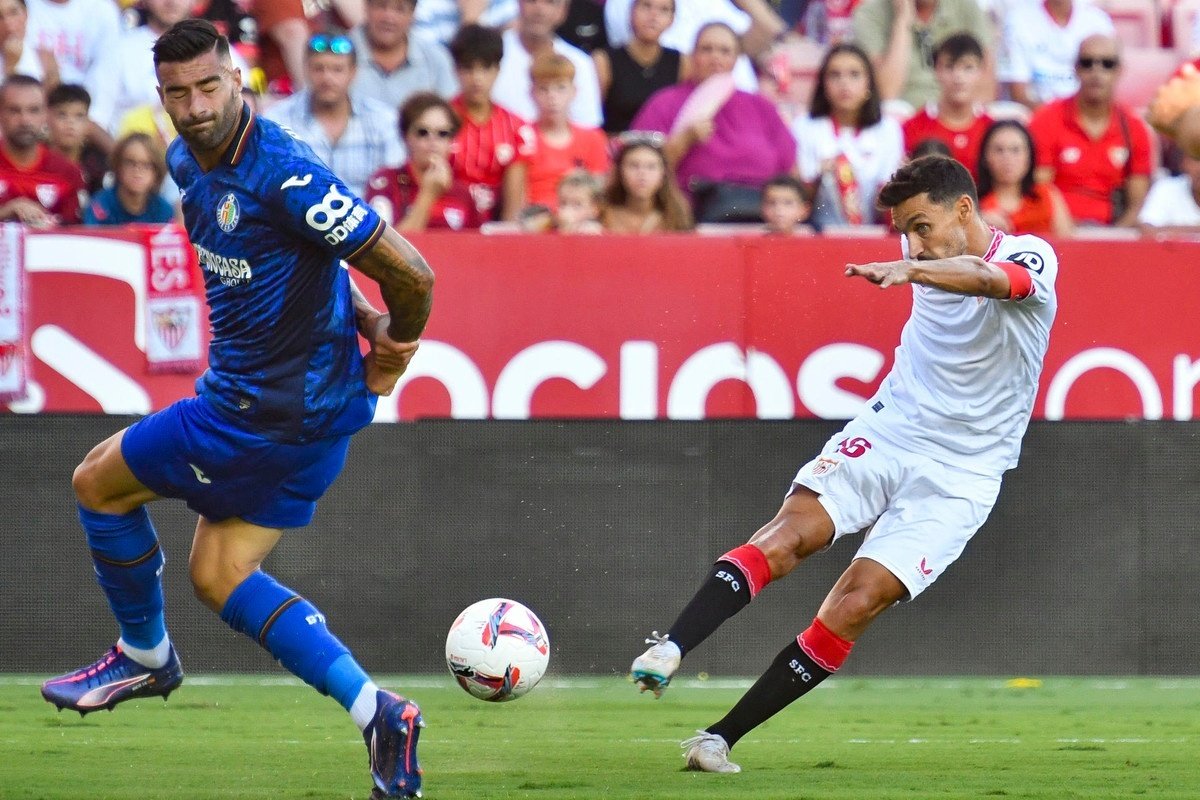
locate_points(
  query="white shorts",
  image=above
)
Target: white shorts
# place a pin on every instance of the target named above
(919, 513)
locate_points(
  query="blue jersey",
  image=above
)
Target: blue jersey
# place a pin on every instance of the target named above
(269, 224)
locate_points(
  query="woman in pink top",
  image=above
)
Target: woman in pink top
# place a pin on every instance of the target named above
(715, 132)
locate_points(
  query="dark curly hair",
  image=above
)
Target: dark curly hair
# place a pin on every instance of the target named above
(942, 178)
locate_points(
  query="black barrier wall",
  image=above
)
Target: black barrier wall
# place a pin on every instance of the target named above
(1087, 566)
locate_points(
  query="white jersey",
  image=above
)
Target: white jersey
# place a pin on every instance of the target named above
(966, 372)
(1037, 51)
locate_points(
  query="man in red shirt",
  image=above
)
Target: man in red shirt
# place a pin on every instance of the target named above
(37, 186)
(957, 118)
(1091, 147)
(491, 136)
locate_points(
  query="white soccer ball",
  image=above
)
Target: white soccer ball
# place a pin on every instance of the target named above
(497, 650)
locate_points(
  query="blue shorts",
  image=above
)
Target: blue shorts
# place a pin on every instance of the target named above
(190, 452)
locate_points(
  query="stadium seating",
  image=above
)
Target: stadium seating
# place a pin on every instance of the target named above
(1138, 22)
(1144, 69)
(1183, 26)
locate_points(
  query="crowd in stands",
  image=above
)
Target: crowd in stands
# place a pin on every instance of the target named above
(624, 116)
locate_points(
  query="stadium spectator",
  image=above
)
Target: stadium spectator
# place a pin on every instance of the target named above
(67, 129)
(631, 73)
(580, 196)
(958, 117)
(1096, 151)
(233, 19)
(393, 62)
(1009, 197)
(559, 145)
(18, 56)
(441, 19)
(84, 36)
(722, 142)
(532, 36)
(847, 147)
(828, 21)
(491, 136)
(785, 206)
(641, 195)
(929, 147)
(38, 186)
(754, 21)
(1173, 204)
(1039, 45)
(352, 133)
(281, 30)
(135, 84)
(424, 193)
(1175, 109)
(901, 35)
(139, 167)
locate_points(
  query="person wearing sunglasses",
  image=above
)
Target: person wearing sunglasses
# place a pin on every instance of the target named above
(1095, 150)
(1040, 41)
(424, 193)
(353, 133)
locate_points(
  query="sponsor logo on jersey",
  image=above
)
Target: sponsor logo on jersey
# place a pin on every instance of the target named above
(924, 569)
(296, 181)
(231, 271)
(228, 213)
(1030, 261)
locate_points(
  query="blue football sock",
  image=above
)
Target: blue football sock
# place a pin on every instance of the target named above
(129, 565)
(294, 632)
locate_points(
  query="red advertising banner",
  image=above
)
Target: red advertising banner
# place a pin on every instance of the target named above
(671, 327)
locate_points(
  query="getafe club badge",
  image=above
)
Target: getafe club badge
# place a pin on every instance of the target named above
(228, 213)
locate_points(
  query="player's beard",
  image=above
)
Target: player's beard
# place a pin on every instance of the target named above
(213, 136)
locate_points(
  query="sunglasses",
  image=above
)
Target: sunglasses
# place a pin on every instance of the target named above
(1091, 63)
(425, 133)
(324, 43)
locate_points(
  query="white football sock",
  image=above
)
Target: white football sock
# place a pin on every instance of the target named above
(153, 658)
(363, 710)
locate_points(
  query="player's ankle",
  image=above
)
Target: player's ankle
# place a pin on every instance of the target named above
(154, 657)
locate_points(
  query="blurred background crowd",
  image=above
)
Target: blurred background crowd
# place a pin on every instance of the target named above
(626, 116)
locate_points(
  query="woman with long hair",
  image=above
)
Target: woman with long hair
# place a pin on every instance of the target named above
(138, 169)
(1009, 199)
(18, 56)
(629, 75)
(847, 147)
(641, 195)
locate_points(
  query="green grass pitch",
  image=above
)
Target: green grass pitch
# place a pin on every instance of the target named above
(857, 739)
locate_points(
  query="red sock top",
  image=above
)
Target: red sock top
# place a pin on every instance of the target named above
(753, 564)
(824, 646)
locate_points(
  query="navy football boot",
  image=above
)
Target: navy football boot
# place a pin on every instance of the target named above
(391, 739)
(113, 679)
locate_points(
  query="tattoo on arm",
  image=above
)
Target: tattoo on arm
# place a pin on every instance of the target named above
(404, 279)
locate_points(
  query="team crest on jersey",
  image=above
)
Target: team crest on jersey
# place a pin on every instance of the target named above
(824, 466)
(1118, 156)
(228, 213)
(454, 218)
(47, 193)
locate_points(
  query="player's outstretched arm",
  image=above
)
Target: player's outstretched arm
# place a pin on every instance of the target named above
(969, 275)
(406, 283)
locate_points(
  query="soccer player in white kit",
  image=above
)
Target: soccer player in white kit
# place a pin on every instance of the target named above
(918, 469)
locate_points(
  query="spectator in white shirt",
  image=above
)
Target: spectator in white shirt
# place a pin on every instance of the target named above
(394, 63)
(84, 36)
(1173, 204)
(441, 19)
(354, 135)
(1039, 46)
(534, 34)
(17, 55)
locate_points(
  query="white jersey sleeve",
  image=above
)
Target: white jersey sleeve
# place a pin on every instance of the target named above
(1038, 258)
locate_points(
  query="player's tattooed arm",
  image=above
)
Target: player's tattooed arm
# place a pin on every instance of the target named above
(969, 275)
(405, 281)
(365, 315)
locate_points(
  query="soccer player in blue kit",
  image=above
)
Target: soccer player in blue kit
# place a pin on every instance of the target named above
(269, 428)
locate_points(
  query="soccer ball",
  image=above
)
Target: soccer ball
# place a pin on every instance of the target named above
(497, 650)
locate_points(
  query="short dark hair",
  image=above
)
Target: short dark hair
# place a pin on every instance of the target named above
(787, 182)
(68, 93)
(420, 102)
(477, 44)
(188, 39)
(930, 147)
(987, 181)
(871, 112)
(19, 81)
(942, 178)
(956, 46)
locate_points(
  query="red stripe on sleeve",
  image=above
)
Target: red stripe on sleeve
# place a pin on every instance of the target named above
(1020, 282)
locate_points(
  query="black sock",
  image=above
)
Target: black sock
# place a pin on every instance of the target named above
(724, 593)
(790, 675)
